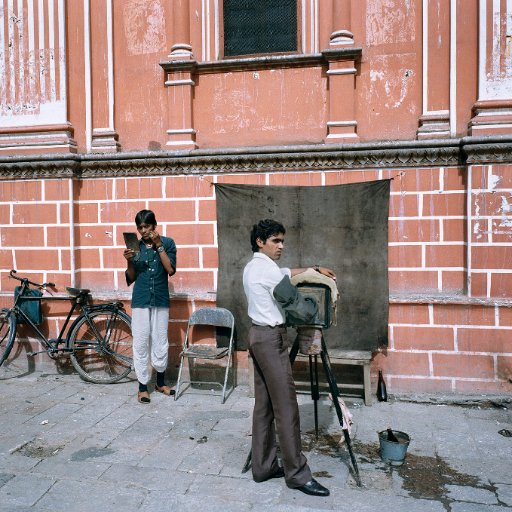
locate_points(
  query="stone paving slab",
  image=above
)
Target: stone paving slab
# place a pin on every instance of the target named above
(70, 469)
(168, 502)
(67, 445)
(169, 453)
(91, 496)
(475, 507)
(25, 489)
(155, 480)
(470, 494)
(504, 493)
(16, 463)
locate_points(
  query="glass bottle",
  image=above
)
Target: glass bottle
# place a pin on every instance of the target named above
(391, 436)
(382, 394)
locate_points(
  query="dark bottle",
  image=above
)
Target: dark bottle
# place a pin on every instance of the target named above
(391, 436)
(382, 394)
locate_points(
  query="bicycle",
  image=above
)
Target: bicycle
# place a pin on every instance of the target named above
(98, 341)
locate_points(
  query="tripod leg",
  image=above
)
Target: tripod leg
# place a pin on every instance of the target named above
(315, 394)
(247, 464)
(335, 393)
(294, 350)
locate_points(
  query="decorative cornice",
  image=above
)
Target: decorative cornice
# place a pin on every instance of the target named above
(486, 150)
(321, 157)
(37, 166)
(277, 159)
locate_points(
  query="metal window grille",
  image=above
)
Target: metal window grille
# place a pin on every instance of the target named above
(259, 26)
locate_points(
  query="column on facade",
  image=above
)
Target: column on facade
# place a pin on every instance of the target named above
(434, 122)
(492, 113)
(341, 124)
(181, 48)
(104, 137)
(341, 34)
(180, 81)
(341, 73)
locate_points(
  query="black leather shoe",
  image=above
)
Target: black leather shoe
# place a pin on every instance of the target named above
(313, 488)
(279, 473)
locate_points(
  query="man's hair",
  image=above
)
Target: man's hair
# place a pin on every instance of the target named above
(263, 230)
(145, 217)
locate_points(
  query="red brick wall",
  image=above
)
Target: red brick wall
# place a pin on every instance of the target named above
(491, 230)
(450, 248)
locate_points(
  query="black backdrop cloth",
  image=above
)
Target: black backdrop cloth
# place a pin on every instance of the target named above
(342, 227)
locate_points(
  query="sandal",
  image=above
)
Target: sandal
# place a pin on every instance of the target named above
(166, 390)
(143, 397)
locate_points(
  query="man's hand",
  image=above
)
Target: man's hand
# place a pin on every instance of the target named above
(327, 272)
(322, 270)
(155, 238)
(129, 254)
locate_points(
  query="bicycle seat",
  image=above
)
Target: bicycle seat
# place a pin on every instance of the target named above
(77, 291)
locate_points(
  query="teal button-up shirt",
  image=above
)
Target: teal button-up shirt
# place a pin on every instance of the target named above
(151, 288)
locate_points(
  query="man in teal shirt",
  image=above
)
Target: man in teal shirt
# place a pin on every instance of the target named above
(150, 269)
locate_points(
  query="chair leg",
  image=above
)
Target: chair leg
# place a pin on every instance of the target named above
(367, 384)
(226, 379)
(179, 378)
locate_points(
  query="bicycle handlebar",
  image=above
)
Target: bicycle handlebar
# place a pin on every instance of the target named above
(25, 280)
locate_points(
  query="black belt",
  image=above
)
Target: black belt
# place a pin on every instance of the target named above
(270, 326)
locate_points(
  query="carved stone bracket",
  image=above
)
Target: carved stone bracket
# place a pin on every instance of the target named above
(105, 140)
(434, 125)
(491, 117)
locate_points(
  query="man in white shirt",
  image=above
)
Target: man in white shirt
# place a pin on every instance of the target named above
(274, 388)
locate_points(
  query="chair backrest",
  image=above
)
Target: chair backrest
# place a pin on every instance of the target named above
(220, 317)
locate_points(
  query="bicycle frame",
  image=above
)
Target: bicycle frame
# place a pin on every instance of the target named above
(51, 345)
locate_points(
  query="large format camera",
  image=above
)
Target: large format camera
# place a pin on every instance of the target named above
(321, 294)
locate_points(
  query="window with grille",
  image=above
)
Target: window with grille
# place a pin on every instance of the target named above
(259, 26)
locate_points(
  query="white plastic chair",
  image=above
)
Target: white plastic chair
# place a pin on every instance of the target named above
(216, 317)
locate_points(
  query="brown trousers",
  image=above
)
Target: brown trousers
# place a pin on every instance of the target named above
(275, 399)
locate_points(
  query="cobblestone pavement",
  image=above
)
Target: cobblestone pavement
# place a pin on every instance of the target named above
(67, 445)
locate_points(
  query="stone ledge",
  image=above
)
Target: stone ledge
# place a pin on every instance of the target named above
(482, 401)
(449, 300)
(442, 299)
(260, 63)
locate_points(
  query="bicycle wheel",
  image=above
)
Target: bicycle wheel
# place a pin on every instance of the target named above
(101, 346)
(7, 333)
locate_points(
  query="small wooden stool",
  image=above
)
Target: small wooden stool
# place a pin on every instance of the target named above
(355, 358)
(337, 356)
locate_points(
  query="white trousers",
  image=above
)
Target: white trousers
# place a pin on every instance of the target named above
(150, 342)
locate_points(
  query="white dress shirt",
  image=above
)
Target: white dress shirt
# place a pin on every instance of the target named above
(261, 275)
